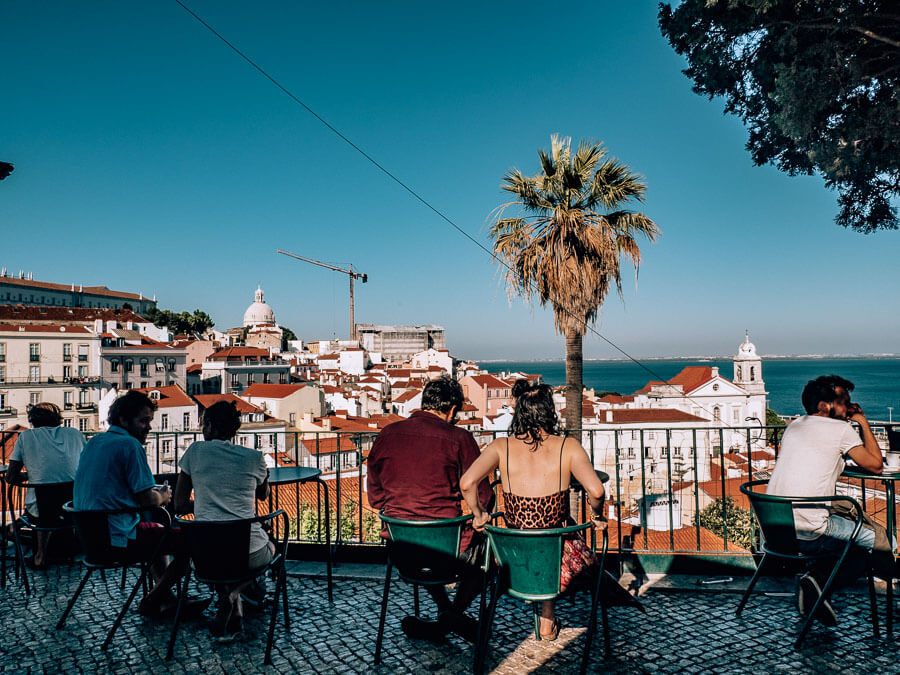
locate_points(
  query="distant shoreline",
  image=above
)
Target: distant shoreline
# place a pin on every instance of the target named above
(726, 357)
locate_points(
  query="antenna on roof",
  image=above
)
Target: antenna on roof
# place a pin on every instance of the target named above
(353, 275)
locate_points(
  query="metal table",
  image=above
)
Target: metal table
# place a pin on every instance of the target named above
(888, 478)
(288, 475)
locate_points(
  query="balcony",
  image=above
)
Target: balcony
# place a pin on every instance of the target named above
(7, 411)
(86, 407)
(49, 381)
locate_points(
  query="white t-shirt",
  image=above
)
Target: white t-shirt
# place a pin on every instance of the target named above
(225, 477)
(811, 460)
(50, 455)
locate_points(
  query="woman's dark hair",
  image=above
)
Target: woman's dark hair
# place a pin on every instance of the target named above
(223, 418)
(129, 406)
(534, 413)
(44, 414)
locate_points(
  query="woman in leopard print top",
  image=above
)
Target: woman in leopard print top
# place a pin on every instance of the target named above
(536, 465)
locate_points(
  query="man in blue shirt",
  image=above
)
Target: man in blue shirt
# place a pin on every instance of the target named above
(113, 474)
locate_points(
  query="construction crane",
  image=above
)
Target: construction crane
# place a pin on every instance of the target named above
(350, 273)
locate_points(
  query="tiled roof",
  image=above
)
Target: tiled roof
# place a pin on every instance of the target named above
(613, 398)
(86, 314)
(32, 328)
(194, 368)
(407, 396)
(232, 352)
(635, 415)
(692, 377)
(260, 390)
(171, 396)
(324, 446)
(206, 400)
(491, 381)
(93, 290)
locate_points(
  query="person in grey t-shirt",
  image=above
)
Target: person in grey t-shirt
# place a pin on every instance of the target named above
(226, 479)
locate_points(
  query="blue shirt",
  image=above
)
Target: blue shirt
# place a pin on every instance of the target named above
(112, 470)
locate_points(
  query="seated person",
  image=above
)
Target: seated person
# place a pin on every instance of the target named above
(49, 453)
(536, 465)
(226, 479)
(414, 470)
(113, 474)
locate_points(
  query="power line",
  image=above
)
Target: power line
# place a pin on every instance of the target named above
(406, 187)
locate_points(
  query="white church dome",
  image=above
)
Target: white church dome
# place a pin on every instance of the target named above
(259, 312)
(747, 350)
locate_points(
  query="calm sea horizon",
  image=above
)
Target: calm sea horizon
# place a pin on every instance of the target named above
(877, 380)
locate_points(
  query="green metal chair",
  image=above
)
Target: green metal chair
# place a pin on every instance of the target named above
(425, 553)
(528, 568)
(775, 515)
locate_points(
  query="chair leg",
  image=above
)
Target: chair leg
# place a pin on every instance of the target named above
(383, 616)
(416, 599)
(592, 622)
(874, 605)
(280, 584)
(329, 559)
(750, 586)
(145, 569)
(536, 615)
(607, 642)
(487, 623)
(284, 599)
(62, 619)
(20, 557)
(182, 594)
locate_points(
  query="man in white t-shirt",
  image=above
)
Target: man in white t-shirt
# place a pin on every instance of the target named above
(813, 451)
(49, 453)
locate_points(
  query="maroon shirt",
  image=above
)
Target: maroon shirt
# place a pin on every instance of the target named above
(415, 466)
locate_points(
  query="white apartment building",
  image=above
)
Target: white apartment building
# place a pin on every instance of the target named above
(54, 363)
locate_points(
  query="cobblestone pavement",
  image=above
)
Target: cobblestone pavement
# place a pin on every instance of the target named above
(693, 631)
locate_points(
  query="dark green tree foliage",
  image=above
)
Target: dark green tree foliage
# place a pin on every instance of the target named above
(740, 524)
(817, 82)
(773, 420)
(286, 335)
(180, 323)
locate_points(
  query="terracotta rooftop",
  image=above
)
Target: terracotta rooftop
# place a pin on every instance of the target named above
(93, 290)
(52, 313)
(206, 400)
(171, 396)
(260, 390)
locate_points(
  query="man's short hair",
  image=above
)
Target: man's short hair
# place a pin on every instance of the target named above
(822, 390)
(44, 414)
(223, 418)
(129, 406)
(442, 394)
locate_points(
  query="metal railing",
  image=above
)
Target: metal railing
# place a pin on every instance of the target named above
(671, 490)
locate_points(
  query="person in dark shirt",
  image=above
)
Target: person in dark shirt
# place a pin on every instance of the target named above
(413, 473)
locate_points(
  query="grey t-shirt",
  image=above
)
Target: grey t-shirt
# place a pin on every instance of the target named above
(225, 477)
(50, 455)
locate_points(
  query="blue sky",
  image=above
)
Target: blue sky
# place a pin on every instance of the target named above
(151, 158)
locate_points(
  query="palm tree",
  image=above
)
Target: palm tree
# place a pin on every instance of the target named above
(563, 248)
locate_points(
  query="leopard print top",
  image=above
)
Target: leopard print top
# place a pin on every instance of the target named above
(530, 513)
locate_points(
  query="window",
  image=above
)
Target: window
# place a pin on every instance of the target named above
(2, 400)
(159, 383)
(249, 379)
(281, 378)
(235, 382)
(752, 373)
(2, 373)
(272, 441)
(82, 353)
(736, 415)
(631, 453)
(717, 414)
(67, 422)
(265, 378)
(67, 400)
(292, 419)
(160, 366)
(82, 424)
(82, 371)
(144, 364)
(677, 452)
(171, 364)
(143, 384)
(34, 398)
(34, 351)
(715, 387)
(84, 397)
(67, 372)
(647, 452)
(167, 447)
(164, 422)
(34, 373)
(665, 452)
(129, 365)
(2, 352)
(114, 365)
(186, 421)
(651, 435)
(128, 384)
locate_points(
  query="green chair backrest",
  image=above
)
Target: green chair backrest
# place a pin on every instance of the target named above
(425, 551)
(529, 560)
(775, 516)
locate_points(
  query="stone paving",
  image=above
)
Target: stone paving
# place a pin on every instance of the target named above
(682, 631)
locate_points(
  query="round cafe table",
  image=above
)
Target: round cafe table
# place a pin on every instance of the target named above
(888, 478)
(289, 475)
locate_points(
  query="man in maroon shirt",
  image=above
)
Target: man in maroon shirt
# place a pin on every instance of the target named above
(413, 473)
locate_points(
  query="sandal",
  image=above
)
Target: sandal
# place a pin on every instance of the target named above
(30, 564)
(554, 632)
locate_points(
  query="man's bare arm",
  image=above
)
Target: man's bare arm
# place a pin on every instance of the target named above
(867, 455)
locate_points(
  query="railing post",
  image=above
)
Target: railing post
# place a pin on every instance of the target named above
(696, 487)
(643, 507)
(671, 496)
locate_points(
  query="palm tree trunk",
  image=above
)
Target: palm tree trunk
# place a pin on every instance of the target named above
(574, 386)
